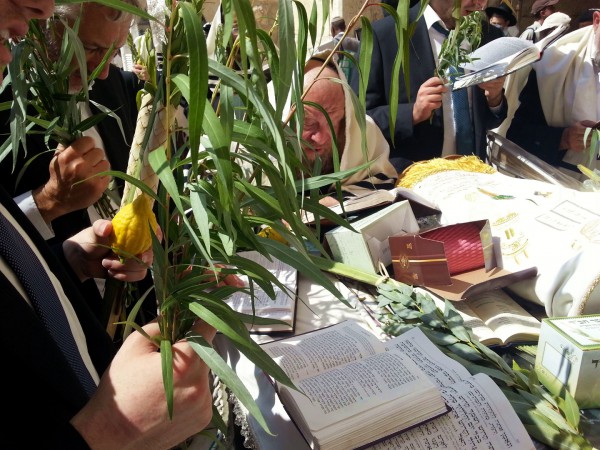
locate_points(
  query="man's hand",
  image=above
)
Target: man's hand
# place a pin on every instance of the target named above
(329, 201)
(66, 189)
(429, 98)
(572, 137)
(493, 91)
(90, 256)
(129, 409)
(141, 72)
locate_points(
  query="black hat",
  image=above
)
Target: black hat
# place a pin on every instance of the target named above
(502, 10)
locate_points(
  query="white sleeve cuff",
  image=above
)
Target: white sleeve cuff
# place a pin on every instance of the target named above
(28, 206)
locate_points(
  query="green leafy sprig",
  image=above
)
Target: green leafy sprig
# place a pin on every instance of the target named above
(453, 54)
(552, 420)
(42, 100)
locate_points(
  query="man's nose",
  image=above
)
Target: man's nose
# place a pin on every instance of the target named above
(93, 65)
(36, 9)
(104, 73)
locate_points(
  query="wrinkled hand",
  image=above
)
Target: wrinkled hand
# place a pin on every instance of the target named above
(127, 413)
(90, 256)
(73, 184)
(429, 98)
(493, 91)
(572, 137)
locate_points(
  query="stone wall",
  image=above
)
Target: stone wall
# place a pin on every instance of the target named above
(570, 7)
(266, 11)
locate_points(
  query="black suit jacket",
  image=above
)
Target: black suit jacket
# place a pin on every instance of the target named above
(41, 393)
(424, 140)
(117, 92)
(530, 130)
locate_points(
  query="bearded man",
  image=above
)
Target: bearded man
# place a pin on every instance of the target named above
(324, 86)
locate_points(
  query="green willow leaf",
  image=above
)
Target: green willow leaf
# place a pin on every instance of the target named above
(288, 51)
(166, 357)
(571, 410)
(227, 376)
(440, 338)
(243, 343)
(545, 432)
(199, 204)
(465, 351)
(198, 74)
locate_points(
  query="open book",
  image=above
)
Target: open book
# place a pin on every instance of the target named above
(503, 56)
(372, 200)
(496, 319)
(281, 308)
(361, 391)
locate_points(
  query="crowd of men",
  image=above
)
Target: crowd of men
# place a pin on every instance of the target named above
(83, 394)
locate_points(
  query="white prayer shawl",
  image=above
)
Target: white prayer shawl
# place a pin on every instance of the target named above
(353, 155)
(552, 228)
(378, 151)
(568, 84)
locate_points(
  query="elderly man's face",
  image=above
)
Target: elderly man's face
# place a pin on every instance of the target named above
(318, 139)
(317, 133)
(14, 16)
(98, 32)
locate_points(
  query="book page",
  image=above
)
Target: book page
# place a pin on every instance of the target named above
(481, 418)
(503, 56)
(481, 331)
(282, 306)
(508, 320)
(409, 194)
(503, 50)
(365, 201)
(333, 397)
(317, 351)
(442, 369)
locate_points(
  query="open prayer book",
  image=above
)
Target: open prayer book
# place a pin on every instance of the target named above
(496, 319)
(281, 308)
(358, 391)
(371, 200)
(503, 56)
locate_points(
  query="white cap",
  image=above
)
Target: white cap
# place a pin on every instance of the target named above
(554, 20)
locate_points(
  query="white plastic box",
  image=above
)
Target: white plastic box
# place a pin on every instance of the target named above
(368, 246)
(569, 357)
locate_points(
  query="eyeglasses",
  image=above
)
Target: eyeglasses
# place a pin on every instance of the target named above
(99, 52)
